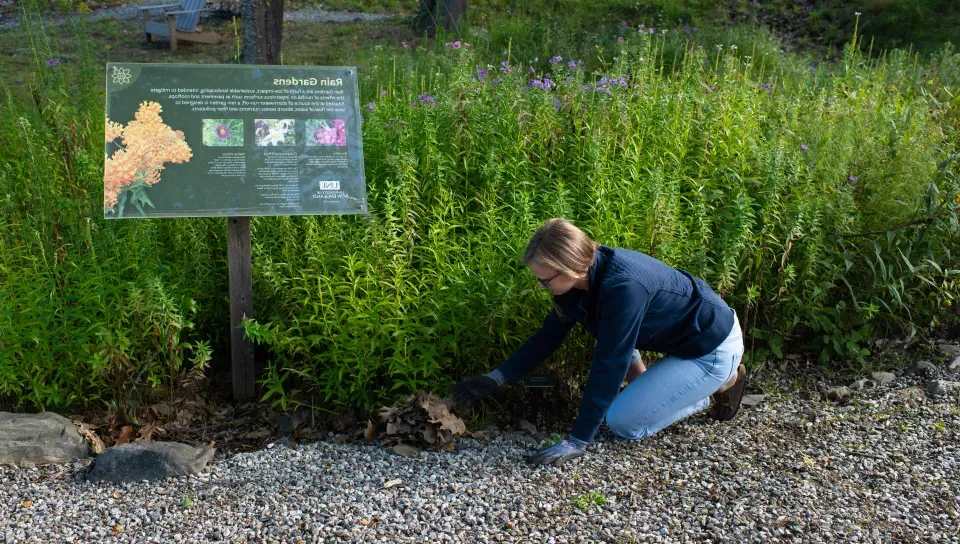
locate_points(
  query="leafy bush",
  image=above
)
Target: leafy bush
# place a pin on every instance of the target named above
(821, 203)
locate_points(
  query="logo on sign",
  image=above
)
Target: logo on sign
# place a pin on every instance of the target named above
(329, 186)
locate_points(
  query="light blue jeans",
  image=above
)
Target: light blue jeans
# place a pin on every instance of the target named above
(673, 389)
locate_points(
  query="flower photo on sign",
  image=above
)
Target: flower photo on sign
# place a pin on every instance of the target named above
(140, 150)
(274, 132)
(222, 132)
(326, 132)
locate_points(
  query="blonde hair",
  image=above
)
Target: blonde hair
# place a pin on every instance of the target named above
(561, 246)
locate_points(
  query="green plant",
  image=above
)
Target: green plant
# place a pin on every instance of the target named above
(820, 203)
(585, 501)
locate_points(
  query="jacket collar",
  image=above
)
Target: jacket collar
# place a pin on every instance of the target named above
(600, 259)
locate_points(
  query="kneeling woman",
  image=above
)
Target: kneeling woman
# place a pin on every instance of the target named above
(628, 301)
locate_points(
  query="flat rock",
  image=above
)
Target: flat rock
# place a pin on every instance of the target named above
(952, 352)
(406, 450)
(149, 461)
(838, 393)
(941, 388)
(861, 384)
(926, 369)
(883, 378)
(752, 400)
(27, 440)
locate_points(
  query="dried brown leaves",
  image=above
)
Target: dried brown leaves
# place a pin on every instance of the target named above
(423, 419)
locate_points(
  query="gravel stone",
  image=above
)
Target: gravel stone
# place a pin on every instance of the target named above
(882, 468)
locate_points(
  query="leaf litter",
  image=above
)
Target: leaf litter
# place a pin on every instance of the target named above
(423, 420)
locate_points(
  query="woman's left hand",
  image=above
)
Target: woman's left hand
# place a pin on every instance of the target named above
(560, 453)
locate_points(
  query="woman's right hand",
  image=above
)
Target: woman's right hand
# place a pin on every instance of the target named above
(474, 388)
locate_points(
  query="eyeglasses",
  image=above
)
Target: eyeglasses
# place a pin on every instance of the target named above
(544, 283)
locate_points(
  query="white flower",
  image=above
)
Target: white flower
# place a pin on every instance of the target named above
(121, 76)
(733, 47)
(858, 14)
(719, 47)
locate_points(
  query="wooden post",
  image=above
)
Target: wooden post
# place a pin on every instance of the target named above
(262, 34)
(241, 304)
(172, 23)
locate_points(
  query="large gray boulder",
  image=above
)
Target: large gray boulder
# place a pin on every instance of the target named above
(149, 461)
(28, 440)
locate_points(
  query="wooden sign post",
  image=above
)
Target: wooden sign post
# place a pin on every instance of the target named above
(241, 304)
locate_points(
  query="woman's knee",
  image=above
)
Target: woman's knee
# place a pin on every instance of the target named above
(624, 424)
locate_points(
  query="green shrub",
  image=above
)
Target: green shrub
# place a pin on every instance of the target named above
(821, 203)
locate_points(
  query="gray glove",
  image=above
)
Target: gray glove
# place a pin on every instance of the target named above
(560, 452)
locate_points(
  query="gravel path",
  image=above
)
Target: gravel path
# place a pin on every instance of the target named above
(130, 11)
(883, 468)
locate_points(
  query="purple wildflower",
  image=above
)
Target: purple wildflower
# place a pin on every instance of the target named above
(619, 38)
(556, 104)
(572, 65)
(413, 104)
(651, 30)
(603, 27)
(556, 59)
(425, 97)
(623, 24)
(370, 106)
(384, 92)
(53, 62)
(405, 44)
(455, 45)
(481, 73)
(223, 132)
(852, 178)
(804, 147)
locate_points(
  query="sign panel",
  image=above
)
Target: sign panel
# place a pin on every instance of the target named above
(194, 140)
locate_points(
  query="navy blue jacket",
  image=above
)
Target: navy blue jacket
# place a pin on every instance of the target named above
(633, 301)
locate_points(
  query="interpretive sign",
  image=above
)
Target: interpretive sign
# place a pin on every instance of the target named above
(191, 140)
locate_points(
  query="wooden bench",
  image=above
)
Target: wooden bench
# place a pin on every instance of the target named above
(181, 23)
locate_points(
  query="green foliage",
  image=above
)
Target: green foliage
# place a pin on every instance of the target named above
(821, 203)
(92, 312)
(587, 500)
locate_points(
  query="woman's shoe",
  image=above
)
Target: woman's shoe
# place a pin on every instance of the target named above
(727, 404)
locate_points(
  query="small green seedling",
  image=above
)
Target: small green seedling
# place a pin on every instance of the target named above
(589, 499)
(186, 502)
(554, 440)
